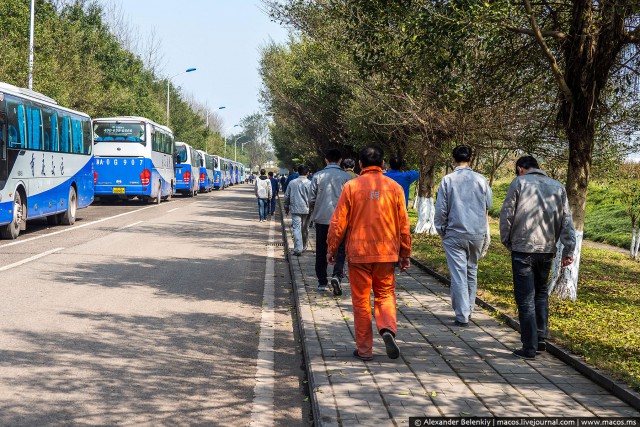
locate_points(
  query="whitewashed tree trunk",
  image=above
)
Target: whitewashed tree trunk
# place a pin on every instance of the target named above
(415, 202)
(564, 281)
(636, 251)
(633, 251)
(487, 241)
(426, 214)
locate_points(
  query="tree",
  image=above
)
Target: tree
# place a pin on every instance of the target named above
(586, 45)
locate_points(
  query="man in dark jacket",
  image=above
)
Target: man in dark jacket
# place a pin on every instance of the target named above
(534, 216)
(275, 187)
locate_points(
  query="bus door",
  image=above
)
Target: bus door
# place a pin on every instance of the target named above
(4, 173)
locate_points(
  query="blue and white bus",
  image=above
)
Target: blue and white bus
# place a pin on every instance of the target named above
(187, 169)
(206, 172)
(133, 157)
(221, 173)
(46, 167)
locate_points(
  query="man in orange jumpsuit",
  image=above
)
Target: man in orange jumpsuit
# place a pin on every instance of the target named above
(372, 216)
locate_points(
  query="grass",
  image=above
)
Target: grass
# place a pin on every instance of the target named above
(601, 326)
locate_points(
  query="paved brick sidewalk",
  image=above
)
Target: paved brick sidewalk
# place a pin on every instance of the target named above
(443, 370)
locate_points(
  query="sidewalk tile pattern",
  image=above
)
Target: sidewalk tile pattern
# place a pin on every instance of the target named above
(443, 370)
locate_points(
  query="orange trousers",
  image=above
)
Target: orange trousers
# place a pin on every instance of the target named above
(362, 278)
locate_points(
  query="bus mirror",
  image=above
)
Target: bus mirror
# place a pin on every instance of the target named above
(178, 159)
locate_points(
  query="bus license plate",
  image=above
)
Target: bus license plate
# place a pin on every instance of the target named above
(118, 190)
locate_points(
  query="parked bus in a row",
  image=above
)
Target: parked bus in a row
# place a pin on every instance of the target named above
(187, 169)
(45, 160)
(133, 158)
(220, 173)
(206, 172)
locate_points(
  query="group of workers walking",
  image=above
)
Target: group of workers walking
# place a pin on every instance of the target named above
(362, 219)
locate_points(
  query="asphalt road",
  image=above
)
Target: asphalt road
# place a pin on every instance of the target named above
(141, 314)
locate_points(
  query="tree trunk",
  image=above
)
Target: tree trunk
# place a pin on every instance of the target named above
(635, 240)
(426, 202)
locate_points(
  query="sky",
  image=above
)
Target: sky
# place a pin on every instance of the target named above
(220, 38)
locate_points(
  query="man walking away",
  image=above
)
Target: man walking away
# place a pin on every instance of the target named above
(348, 165)
(405, 179)
(296, 202)
(326, 187)
(534, 215)
(371, 213)
(275, 187)
(290, 178)
(263, 193)
(464, 197)
(283, 179)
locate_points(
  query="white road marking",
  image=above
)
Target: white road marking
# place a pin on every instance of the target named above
(171, 210)
(33, 258)
(130, 225)
(262, 413)
(75, 227)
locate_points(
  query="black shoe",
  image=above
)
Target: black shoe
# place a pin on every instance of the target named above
(542, 346)
(336, 286)
(296, 253)
(461, 324)
(390, 343)
(363, 358)
(522, 355)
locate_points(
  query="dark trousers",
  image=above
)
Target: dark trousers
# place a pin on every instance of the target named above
(531, 291)
(321, 256)
(273, 204)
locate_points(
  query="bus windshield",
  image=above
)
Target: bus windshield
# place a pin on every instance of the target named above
(181, 153)
(119, 132)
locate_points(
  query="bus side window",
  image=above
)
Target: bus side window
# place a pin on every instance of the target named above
(65, 133)
(86, 136)
(34, 119)
(76, 131)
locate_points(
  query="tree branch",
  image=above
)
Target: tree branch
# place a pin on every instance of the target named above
(558, 35)
(547, 52)
(634, 36)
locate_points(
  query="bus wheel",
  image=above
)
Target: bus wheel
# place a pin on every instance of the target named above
(168, 196)
(69, 217)
(159, 198)
(12, 230)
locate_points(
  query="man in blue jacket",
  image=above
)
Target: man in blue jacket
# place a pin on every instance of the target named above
(275, 187)
(405, 179)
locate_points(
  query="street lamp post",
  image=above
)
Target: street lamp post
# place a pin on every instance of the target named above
(235, 148)
(31, 27)
(225, 141)
(188, 70)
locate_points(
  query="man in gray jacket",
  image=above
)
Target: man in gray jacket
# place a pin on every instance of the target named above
(326, 187)
(464, 197)
(534, 215)
(296, 202)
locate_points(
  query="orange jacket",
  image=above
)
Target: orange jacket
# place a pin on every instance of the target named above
(371, 212)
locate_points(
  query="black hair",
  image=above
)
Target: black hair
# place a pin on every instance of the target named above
(262, 171)
(333, 155)
(462, 153)
(371, 156)
(348, 163)
(270, 174)
(303, 169)
(395, 163)
(526, 163)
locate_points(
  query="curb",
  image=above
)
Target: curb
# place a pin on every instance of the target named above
(315, 407)
(621, 391)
